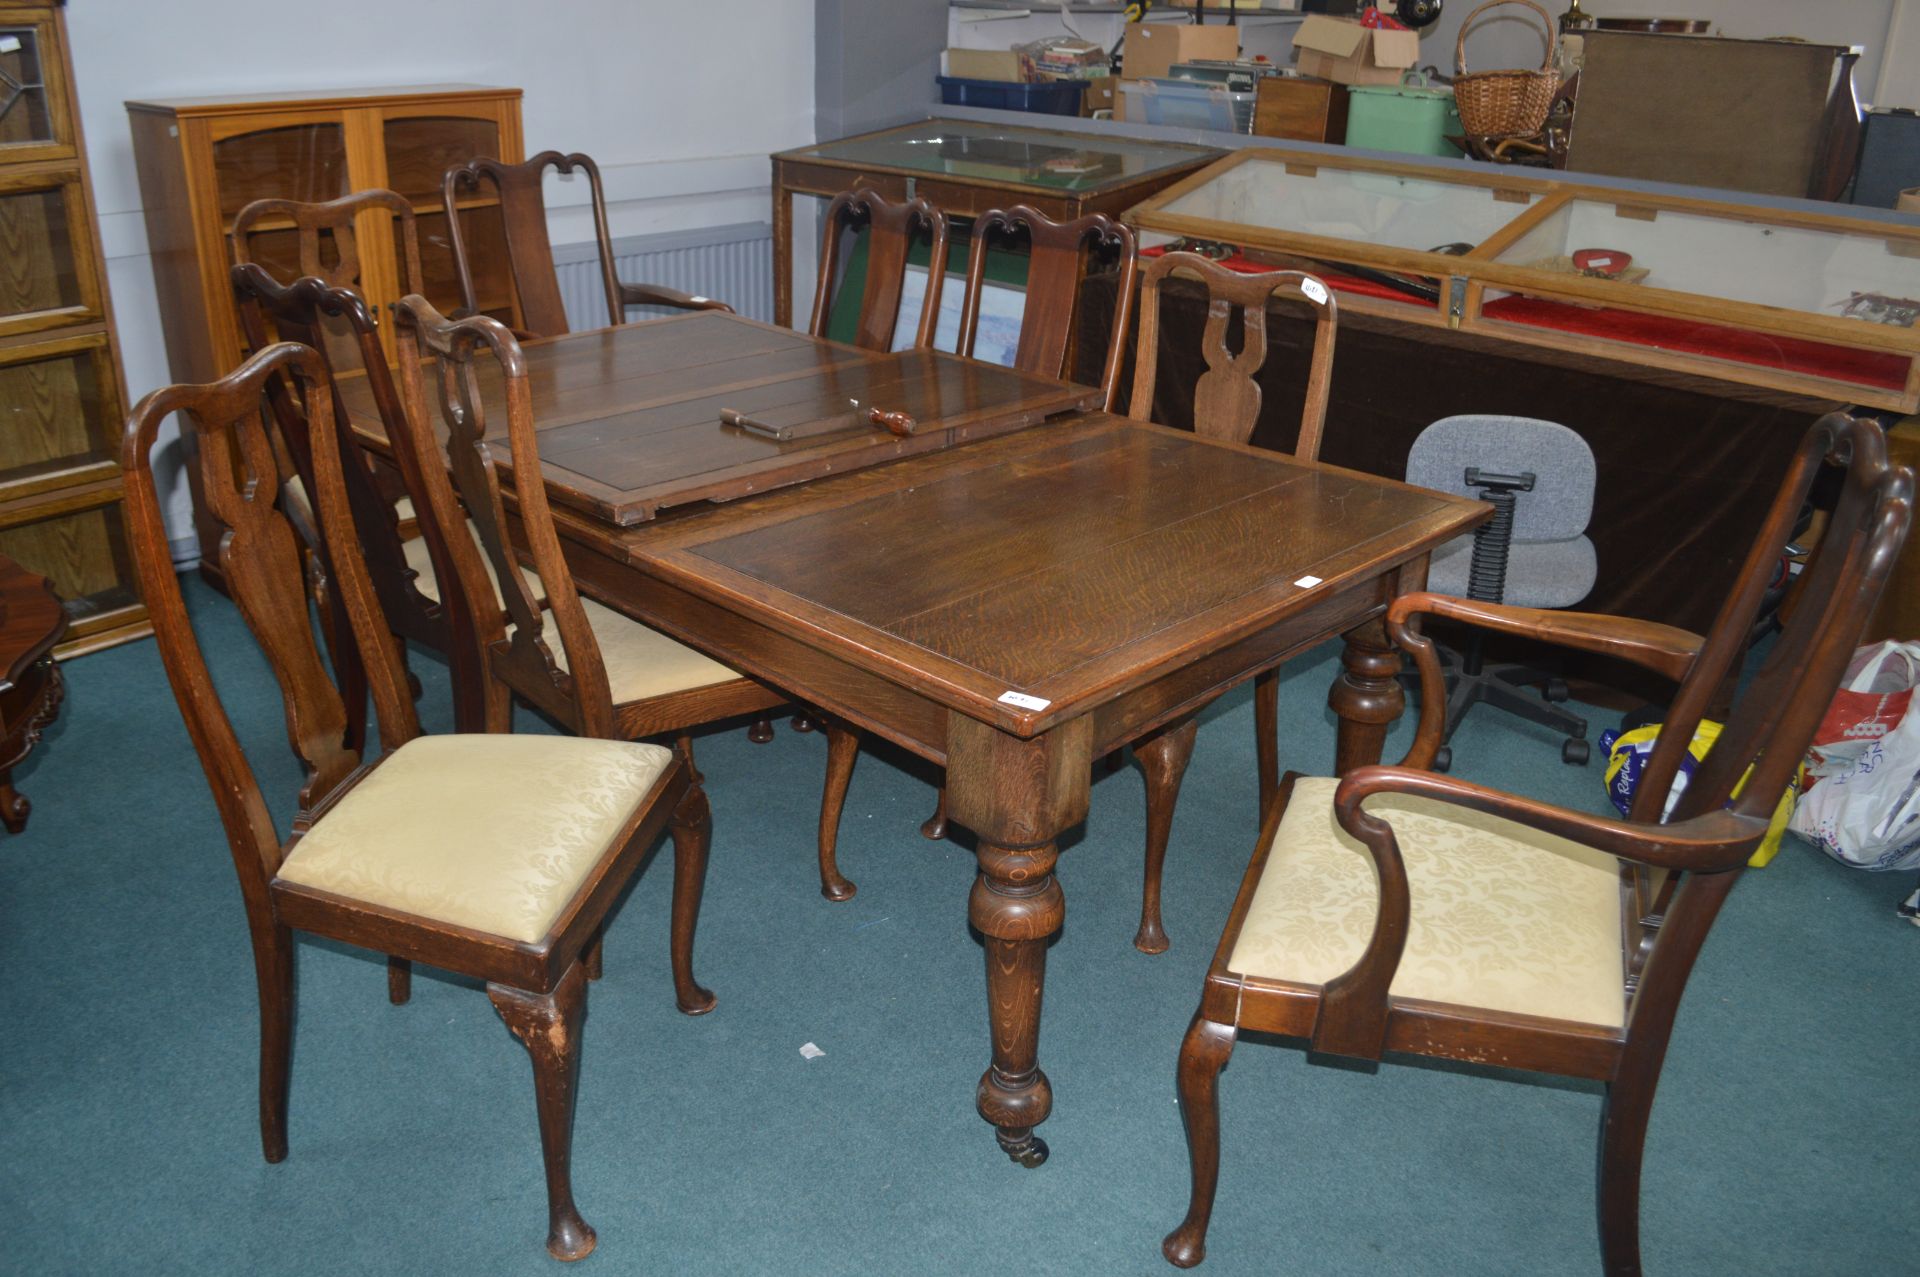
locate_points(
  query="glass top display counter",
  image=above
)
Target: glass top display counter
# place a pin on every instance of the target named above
(1794, 300)
(966, 168)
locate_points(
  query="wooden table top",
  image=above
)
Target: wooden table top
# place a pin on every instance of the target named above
(1066, 565)
(629, 417)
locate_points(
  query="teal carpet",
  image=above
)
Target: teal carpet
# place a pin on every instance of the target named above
(128, 1137)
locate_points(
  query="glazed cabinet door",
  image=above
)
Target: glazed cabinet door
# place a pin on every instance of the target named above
(296, 155)
(78, 540)
(35, 109)
(63, 415)
(418, 143)
(48, 275)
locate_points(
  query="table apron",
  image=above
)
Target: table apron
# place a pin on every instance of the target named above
(846, 691)
(919, 724)
(1181, 691)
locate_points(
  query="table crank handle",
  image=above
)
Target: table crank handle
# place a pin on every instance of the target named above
(729, 417)
(898, 423)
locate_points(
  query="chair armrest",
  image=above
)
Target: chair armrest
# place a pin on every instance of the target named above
(660, 295)
(1664, 649)
(1352, 1018)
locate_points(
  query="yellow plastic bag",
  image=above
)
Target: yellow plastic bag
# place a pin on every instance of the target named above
(1627, 754)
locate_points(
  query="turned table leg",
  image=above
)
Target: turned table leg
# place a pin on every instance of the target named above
(1017, 795)
(1366, 696)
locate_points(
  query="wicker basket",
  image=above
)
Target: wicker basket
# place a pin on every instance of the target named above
(1504, 103)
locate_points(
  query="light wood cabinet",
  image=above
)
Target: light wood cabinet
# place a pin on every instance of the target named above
(62, 394)
(202, 160)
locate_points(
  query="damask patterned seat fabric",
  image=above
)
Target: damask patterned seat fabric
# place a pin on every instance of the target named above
(1504, 917)
(495, 833)
(641, 661)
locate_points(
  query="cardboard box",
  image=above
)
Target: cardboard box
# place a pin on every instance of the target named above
(1153, 47)
(1099, 95)
(1341, 50)
(984, 64)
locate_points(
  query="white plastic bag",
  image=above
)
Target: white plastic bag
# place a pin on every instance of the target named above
(1863, 804)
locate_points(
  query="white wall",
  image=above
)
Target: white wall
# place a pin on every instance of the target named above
(680, 103)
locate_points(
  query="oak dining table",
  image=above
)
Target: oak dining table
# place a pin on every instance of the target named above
(1020, 588)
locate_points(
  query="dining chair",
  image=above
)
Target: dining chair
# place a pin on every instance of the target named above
(1226, 405)
(891, 231)
(609, 676)
(539, 310)
(1058, 257)
(280, 241)
(495, 857)
(1401, 910)
(326, 237)
(389, 521)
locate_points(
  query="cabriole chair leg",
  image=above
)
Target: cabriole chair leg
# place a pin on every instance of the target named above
(843, 746)
(1202, 1056)
(399, 980)
(1164, 760)
(692, 833)
(548, 1025)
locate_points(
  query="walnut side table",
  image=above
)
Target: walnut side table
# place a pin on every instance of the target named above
(32, 620)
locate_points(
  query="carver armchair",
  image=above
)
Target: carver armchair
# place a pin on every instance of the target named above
(1509, 932)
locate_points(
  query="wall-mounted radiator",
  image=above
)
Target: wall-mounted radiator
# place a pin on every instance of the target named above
(731, 263)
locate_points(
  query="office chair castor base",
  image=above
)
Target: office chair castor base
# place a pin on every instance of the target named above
(1575, 752)
(1554, 691)
(1443, 759)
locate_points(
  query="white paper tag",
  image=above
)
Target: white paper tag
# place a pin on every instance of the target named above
(9, 43)
(1315, 290)
(1020, 700)
(1307, 582)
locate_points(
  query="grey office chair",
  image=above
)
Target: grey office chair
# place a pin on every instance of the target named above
(1539, 477)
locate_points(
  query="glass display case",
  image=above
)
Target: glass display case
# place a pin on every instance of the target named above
(966, 168)
(1801, 301)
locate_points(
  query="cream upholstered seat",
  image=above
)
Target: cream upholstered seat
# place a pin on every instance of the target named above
(641, 661)
(491, 832)
(1504, 917)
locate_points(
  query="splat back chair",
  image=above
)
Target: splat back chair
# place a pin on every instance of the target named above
(1599, 919)
(496, 857)
(1226, 400)
(891, 231)
(327, 245)
(608, 675)
(327, 238)
(1058, 257)
(538, 308)
(1226, 405)
(1059, 254)
(402, 567)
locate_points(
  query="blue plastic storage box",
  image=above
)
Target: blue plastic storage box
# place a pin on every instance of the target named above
(1045, 97)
